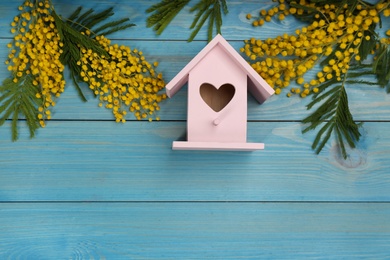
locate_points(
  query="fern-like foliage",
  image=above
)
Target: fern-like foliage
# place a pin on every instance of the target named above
(20, 99)
(211, 10)
(70, 31)
(166, 10)
(163, 13)
(20, 95)
(381, 66)
(333, 114)
(88, 20)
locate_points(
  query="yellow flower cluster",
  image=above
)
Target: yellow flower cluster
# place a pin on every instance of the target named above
(335, 33)
(124, 81)
(35, 51)
(280, 11)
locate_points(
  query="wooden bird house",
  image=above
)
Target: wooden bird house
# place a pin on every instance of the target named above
(218, 82)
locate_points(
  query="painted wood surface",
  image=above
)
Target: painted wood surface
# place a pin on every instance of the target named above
(102, 161)
(194, 231)
(88, 188)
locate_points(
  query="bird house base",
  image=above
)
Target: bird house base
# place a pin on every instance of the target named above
(217, 146)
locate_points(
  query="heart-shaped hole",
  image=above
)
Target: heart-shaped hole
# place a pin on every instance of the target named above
(215, 98)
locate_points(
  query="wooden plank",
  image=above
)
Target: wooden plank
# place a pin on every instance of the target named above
(194, 230)
(235, 25)
(104, 161)
(366, 103)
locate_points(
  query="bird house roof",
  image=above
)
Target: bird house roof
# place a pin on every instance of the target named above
(257, 86)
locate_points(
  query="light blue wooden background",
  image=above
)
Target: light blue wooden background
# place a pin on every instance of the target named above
(88, 188)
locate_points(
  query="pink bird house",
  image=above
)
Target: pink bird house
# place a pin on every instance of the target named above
(218, 82)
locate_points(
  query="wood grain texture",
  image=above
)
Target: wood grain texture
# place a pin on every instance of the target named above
(366, 102)
(88, 188)
(234, 26)
(103, 161)
(173, 53)
(194, 231)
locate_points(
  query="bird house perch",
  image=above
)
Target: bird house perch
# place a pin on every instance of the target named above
(218, 81)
